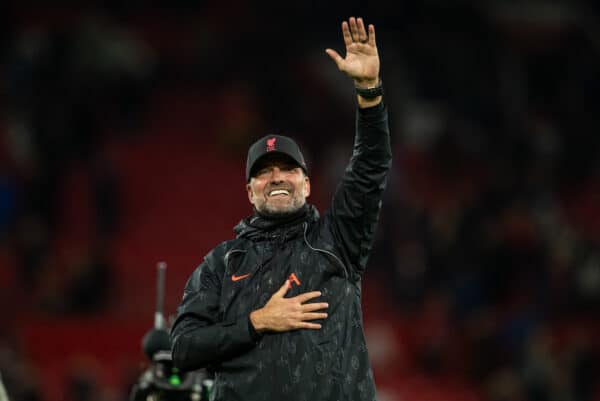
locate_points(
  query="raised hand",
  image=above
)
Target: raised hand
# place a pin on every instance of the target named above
(362, 60)
(285, 314)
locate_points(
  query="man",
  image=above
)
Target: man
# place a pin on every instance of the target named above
(276, 312)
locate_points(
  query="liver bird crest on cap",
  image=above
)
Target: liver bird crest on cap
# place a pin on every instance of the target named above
(271, 144)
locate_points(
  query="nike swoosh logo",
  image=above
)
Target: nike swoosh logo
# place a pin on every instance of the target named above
(238, 278)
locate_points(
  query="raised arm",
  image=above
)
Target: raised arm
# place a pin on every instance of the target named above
(357, 200)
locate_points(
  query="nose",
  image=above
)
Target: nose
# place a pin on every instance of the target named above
(276, 175)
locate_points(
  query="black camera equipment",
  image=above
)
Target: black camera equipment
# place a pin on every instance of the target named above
(161, 381)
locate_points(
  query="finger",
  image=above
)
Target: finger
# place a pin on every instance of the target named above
(346, 34)
(311, 307)
(354, 29)
(307, 296)
(313, 316)
(284, 288)
(372, 35)
(335, 57)
(308, 325)
(362, 33)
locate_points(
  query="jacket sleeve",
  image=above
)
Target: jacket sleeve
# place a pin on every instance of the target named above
(199, 337)
(358, 197)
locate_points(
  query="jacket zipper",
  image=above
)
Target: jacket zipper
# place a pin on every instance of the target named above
(228, 254)
(325, 251)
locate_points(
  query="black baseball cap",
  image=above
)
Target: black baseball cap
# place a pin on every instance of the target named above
(271, 144)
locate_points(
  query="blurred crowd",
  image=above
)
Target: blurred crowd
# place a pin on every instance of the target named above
(65, 88)
(489, 227)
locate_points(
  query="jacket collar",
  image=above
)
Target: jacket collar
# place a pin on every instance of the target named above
(256, 226)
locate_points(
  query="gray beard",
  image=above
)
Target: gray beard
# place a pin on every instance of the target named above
(266, 211)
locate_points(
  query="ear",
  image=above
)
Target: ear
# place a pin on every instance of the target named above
(249, 191)
(306, 186)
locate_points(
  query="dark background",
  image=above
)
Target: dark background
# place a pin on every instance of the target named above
(123, 133)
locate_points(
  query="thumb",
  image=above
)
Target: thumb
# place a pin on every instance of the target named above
(284, 288)
(335, 57)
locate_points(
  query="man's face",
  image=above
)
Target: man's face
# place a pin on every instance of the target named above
(278, 186)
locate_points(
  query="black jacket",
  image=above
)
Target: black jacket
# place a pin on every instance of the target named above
(328, 254)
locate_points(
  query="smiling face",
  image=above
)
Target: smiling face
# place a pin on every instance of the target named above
(278, 186)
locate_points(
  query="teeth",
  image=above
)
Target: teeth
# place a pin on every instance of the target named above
(279, 192)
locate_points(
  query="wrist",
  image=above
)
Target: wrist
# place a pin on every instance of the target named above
(366, 83)
(368, 103)
(369, 93)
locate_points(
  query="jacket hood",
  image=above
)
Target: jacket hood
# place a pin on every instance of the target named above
(257, 226)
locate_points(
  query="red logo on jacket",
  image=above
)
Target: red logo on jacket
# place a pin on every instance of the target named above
(293, 279)
(271, 144)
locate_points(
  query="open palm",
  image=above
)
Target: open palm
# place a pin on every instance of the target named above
(362, 60)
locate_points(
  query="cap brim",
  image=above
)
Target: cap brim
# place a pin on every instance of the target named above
(256, 165)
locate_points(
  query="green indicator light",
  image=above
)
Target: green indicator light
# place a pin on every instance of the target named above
(174, 380)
